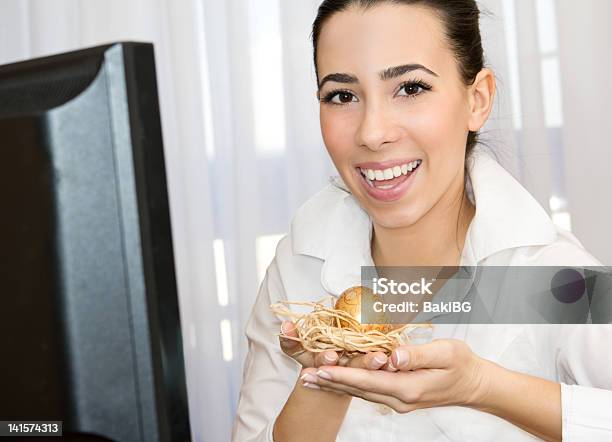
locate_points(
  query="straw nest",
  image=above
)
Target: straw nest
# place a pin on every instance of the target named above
(328, 328)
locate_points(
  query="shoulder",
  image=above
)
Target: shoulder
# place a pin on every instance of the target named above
(565, 250)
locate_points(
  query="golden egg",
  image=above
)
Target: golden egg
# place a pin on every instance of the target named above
(350, 302)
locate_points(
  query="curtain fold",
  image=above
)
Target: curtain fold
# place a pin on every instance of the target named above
(584, 47)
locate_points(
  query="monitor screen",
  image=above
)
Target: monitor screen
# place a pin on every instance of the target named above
(89, 317)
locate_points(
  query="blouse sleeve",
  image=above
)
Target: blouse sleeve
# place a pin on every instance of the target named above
(585, 370)
(269, 375)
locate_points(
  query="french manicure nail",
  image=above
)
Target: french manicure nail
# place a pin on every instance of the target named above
(380, 360)
(402, 358)
(398, 359)
(324, 375)
(329, 359)
(313, 386)
(307, 377)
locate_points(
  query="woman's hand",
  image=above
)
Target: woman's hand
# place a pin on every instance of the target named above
(294, 349)
(443, 372)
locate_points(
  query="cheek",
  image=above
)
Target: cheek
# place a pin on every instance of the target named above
(338, 134)
(441, 128)
(441, 132)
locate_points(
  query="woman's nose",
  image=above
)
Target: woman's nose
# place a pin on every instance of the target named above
(377, 129)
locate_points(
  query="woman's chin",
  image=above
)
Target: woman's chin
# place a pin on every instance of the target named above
(393, 218)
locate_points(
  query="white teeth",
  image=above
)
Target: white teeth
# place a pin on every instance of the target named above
(388, 174)
(368, 175)
(412, 166)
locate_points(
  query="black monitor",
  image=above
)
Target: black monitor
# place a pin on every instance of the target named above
(89, 318)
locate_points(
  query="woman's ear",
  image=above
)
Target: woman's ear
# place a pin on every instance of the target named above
(480, 96)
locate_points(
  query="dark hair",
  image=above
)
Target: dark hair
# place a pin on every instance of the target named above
(461, 19)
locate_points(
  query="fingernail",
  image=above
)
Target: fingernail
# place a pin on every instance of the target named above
(324, 374)
(329, 359)
(282, 332)
(380, 359)
(308, 378)
(313, 386)
(401, 358)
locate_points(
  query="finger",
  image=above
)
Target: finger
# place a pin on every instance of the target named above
(291, 345)
(341, 388)
(308, 378)
(328, 357)
(344, 360)
(389, 401)
(375, 381)
(299, 354)
(389, 366)
(288, 330)
(370, 361)
(309, 374)
(436, 354)
(288, 336)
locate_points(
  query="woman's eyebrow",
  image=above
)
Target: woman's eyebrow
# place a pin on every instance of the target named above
(397, 71)
(387, 74)
(338, 78)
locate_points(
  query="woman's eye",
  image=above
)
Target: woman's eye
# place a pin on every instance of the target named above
(411, 89)
(342, 98)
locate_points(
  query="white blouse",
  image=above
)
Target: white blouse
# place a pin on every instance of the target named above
(328, 243)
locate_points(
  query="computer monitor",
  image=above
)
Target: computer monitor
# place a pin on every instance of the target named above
(89, 318)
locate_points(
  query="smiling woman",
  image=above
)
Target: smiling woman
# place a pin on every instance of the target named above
(408, 74)
(403, 92)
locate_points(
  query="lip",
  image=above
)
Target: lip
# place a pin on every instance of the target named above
(388, 195)
(385, 164)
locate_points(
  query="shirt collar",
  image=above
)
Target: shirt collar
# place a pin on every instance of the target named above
(332, 226)
(507, 216)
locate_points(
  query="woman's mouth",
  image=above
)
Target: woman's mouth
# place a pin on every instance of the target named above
(391, 183)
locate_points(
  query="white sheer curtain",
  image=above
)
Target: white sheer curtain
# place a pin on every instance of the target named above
(243, 145)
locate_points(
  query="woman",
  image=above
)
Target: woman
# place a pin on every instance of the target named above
(403, 93)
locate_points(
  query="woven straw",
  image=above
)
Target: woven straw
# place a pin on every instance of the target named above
(326, 328)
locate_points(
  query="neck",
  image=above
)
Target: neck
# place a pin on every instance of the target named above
(437, 239)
